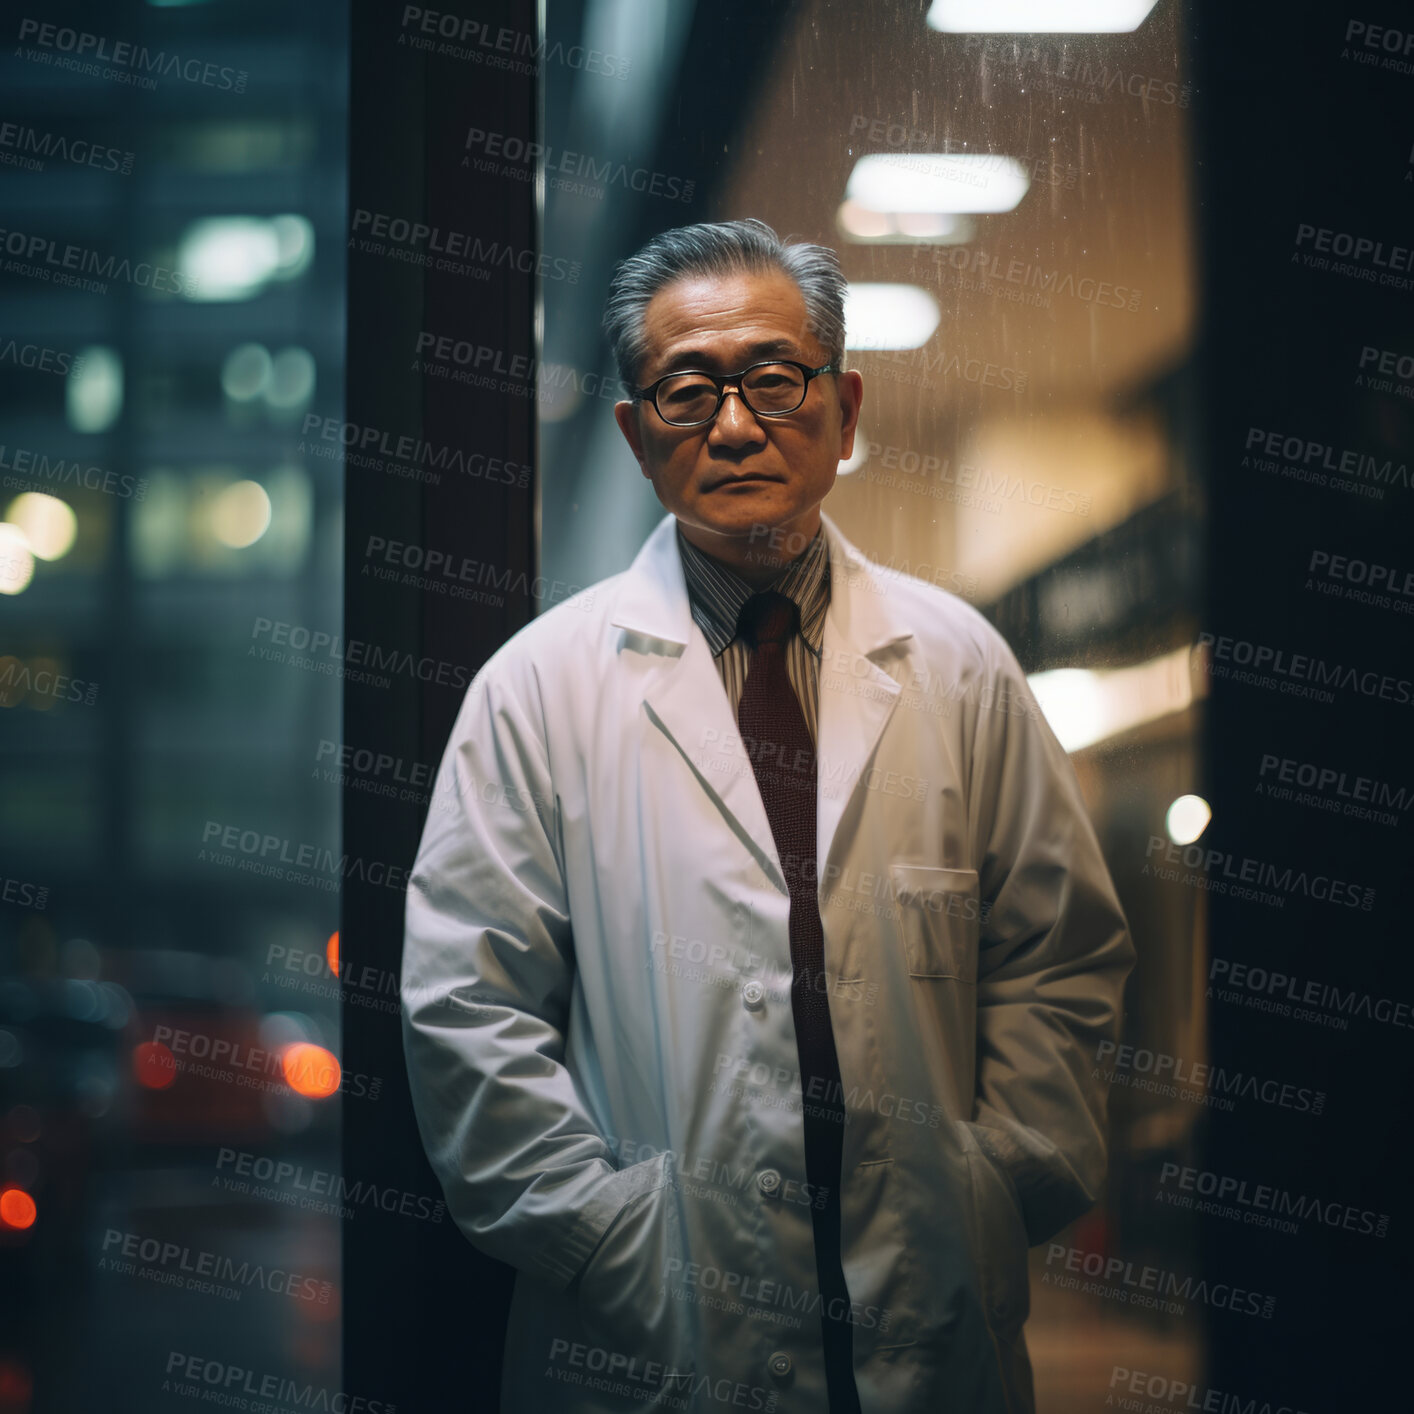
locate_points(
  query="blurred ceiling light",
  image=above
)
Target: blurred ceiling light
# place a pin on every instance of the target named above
(889, 316)
(93, 392)
(246, 372)
(331, 952)
(235, 257)
(1085, 706)
(865, 227)
(932, 184)
(49, 524)
(1038, 16)
(1187, 818)
(16, 559)
(291, 379)
(240, 514)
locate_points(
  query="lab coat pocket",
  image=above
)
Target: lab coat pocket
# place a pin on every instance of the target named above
(939, 911)
(624, 1287)
(1000, 1233)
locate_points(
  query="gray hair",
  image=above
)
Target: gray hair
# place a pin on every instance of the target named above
(721, 248)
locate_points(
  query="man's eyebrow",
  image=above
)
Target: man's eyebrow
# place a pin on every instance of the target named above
(700, 358)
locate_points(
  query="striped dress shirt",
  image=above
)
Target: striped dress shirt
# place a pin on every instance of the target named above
(716, 594)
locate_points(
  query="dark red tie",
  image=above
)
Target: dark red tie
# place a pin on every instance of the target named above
(777, 741)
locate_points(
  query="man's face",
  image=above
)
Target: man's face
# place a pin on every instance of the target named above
(740, 473)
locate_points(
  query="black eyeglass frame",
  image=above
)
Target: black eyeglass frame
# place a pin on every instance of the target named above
(733, 380)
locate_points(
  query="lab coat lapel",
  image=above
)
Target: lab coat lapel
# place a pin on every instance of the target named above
(857, 697)
(685, 697)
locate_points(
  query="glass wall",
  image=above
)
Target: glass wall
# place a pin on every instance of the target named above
(171, 311)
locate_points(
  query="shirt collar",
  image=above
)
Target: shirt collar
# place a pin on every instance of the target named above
(716, 592)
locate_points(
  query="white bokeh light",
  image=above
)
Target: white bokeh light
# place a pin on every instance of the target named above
(1187, 818)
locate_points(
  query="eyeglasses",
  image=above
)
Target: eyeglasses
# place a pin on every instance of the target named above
(693, 396)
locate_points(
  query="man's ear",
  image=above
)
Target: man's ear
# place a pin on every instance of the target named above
(851, 389)
(626, 415)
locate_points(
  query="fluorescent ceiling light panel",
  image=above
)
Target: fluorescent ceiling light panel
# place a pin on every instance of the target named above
(865, 227)
(1038, 16)
(937, 183)
(889, 316)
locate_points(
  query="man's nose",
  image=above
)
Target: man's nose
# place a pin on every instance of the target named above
(735, 424)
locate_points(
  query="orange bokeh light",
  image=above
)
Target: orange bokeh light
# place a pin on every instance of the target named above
(17, 1208)
(310, 1070)
(331, 952)
(154, 1065)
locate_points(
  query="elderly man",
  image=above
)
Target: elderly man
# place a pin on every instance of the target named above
(758, 945)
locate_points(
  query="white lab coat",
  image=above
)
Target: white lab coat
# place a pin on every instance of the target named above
(598, 1026)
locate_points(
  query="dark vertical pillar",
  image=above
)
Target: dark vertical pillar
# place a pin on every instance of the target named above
(1304, 178)
(441, 268)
